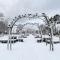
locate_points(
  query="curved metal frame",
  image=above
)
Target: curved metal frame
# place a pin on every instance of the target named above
(29, 16)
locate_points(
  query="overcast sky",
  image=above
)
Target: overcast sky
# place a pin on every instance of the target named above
(16, 7)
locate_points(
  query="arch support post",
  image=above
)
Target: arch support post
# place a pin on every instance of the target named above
(51, 41)
(9, 45)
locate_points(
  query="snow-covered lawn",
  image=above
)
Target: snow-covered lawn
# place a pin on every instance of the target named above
(54, 38)
(29, 50)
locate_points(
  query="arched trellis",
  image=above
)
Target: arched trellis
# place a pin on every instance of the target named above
(31, 24)
(25, 24)
(29, 16)
(34, 24)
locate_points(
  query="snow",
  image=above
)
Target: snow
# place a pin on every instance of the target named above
(4, 37)
(29, 50)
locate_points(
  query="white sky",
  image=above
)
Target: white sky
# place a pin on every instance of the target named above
(16, 7)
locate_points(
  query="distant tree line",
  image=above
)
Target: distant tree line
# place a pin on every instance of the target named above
(3, 27)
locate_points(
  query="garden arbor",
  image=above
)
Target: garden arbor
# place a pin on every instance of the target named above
(30, 16)
(31, 27)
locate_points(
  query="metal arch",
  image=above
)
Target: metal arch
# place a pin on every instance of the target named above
(29, 16)
(36, 24)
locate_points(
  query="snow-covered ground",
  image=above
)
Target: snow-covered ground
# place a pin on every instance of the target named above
(29, 50)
